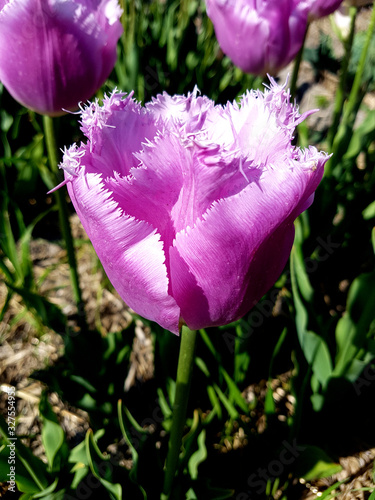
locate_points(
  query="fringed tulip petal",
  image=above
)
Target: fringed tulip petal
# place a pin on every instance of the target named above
(247, 235)
(190, 206)
(130, 250)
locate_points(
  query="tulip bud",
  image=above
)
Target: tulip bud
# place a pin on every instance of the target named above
(56, 53)
(190, 206)
(260, 36)
(321, 8)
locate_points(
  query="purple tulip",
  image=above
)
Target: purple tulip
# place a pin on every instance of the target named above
(56, 53)
(321, 8)
(259, 36)
(190, 206)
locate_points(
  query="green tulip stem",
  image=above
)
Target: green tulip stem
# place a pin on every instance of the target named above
(64, 218)
(297, 64)
(340, 93)
(183, 382)
(340, 141)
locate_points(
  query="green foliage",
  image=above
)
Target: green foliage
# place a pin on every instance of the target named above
(171, 46)
(355, 331)
(368, 79)
(314, 463)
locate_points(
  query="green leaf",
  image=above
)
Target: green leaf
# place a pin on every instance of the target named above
(234, 392)
(80, 471)
(269, 403)
(49, 313)
(94, 453)
(318, 356)
(352, 329)
(114, 489)
(277, 350)
(47, 492)
(202, 366)
(314, 463)
(233, 413)
(189, 441)
(7, 241)
(78, 457)
(317, 401)
(199, 456)
(190, 495)
(327, 492)
(361, 137)
(313, 346)
(6, 120)
(302, 278)
(216, 407)
(164, 406)
(23, 480)
(369, 211)
(207, 340)
(32, 475)
(241, 361)
(368, 77)
(53, 437)
(214, 493)
(357, 366)
(127, 435)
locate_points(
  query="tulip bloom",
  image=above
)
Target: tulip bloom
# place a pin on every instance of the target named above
(56, 53)
(321, 8)
(259, 36)
(190, 206)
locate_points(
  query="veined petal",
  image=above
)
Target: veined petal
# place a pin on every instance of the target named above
(116, 131)
(321, 8)
(244, 241)
(56, 53)
(183, 110)
(130, 250)
(189, 205)
(259, 36)
(172, 187)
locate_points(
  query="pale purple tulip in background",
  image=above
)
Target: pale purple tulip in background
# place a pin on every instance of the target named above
(190, 206)
(56, 53)
(259, 36)
(263, 36)
(321, 8)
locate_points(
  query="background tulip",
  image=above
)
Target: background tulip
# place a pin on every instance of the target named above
(190, 206)
(321, 8)
(259, 36)
(54, 54)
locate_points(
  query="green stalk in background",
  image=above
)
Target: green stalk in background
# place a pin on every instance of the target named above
(340, 92)
(297, 64)
(342, 137)
(127, 71)
(64, 219)
(183, 382)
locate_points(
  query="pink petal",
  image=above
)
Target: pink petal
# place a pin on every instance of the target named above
(259, 36)
(190, 206)
(221, 267)
(130, 250)
(116, 131)
(54, 54)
